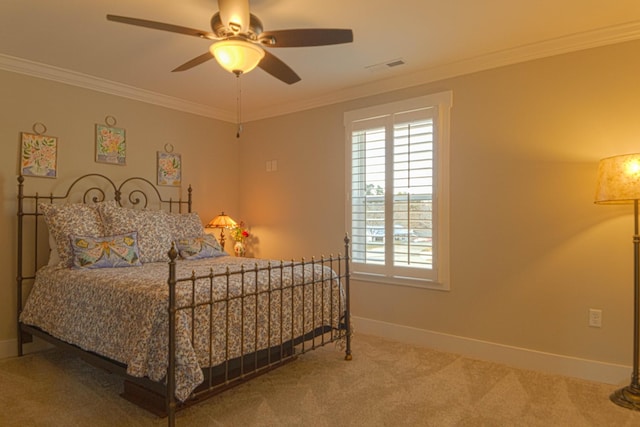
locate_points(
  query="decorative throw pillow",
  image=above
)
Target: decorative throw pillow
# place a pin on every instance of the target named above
(154, 237)
(105, 252)
(71, 218)
(204, 246)
(184, 225)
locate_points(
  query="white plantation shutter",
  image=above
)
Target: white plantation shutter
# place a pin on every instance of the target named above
(368, 182)
(392, 181)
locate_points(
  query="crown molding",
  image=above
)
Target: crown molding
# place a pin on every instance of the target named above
(73, 78)
(574, 42)
(571, 43)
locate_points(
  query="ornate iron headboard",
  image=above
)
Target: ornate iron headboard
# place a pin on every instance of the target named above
(134, 192)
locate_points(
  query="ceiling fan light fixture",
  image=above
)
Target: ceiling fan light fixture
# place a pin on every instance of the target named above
(237, 56)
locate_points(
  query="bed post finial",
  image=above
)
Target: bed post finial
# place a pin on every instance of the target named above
(173, 253)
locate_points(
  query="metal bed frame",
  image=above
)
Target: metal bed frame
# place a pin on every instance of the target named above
(137, 192)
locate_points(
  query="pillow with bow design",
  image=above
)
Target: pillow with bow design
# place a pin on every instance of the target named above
(105, 252)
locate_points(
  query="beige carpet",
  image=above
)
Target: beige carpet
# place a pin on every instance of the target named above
(386, 384)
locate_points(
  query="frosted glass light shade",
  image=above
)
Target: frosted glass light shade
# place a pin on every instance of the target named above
(618, 179)
(237, 56)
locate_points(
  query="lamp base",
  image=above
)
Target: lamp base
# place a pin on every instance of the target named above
(627, 397)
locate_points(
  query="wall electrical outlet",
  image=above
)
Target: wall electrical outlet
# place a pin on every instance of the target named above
(595, 318)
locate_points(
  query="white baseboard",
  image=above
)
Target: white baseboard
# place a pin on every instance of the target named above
(9, 348)
(523, 358)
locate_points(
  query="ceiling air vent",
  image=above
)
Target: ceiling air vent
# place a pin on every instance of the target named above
(384, 66)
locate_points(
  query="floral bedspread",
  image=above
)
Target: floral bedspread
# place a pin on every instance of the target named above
(122, 313)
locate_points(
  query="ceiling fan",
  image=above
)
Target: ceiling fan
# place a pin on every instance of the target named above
(239, 40)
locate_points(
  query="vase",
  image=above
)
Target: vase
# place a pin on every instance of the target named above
(239, 249)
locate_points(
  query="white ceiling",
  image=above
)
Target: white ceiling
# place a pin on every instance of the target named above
(71, 41)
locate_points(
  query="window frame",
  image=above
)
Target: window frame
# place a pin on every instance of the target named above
(441, 104)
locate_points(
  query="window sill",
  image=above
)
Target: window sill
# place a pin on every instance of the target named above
(400, 281)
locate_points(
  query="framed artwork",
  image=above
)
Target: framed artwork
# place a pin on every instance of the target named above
(169, 169)
(39, 155)
(111, 145)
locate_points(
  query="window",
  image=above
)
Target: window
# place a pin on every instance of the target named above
(397, 181)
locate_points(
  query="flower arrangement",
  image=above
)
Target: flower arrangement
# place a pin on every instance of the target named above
(239, 232)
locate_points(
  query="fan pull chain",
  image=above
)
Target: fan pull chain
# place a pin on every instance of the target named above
(238, 106)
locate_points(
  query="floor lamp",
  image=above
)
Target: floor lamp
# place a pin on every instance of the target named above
(619, 182)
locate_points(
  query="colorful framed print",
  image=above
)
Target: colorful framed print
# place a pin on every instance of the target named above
(169, 169)
(39, 155)
(110, 145)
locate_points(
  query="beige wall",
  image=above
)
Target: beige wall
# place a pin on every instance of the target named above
(208, 149)
(299, 209)
(530, 252)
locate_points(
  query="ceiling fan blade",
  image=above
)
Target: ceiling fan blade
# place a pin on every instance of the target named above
(162, 26)
(306, 37)
(195, 61)
(234, 14)
(278, 69)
